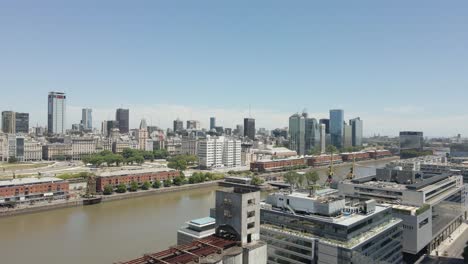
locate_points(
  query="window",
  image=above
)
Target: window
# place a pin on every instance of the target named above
(251, 214)
(251, 202)
(423, 222)
(250, 225)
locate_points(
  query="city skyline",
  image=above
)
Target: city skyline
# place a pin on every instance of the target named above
(381, 61)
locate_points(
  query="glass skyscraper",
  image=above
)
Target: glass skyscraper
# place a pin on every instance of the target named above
(297, 133)
(312, 134)
(357, 128)
(87, 119)
(56, 113)
(337, 127)
(122, 116)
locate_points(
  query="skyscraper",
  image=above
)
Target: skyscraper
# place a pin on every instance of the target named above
(193, 125)
(323, 138)
(122, 116)
(326, 122)
(56, 113)
(9, 122)
(357, 127)
(142, 135)
(249, 128)
(312, 134)
(347, 135)
(212, 122)
(178, 125)
(336, 127)
(87, 119)
(297, 133)
(22, 122)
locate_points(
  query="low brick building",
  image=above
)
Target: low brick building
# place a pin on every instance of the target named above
(272, 165)
(379, 154)
(115, 178)
(323, 160)
(355, 155)
(32, 189)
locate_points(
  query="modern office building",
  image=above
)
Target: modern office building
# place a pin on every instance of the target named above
(337, 127)
(249, 128)
(326, 122)
(312, 134)
(357, 131)
(239, 131)
(108, 126)
(411, 140)
(178, 125)
(9, 122)
(193, 125)
(323, 138)
(212, 122)
(122, 116)
(56, 117)
(297, 133)
(22, 123)
(219, 152)
(87, 119)
(326, 228)
(347, 135)
(431, 206)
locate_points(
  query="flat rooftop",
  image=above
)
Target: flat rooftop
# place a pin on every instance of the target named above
(203, 221)
(24, 181)
(129, 172)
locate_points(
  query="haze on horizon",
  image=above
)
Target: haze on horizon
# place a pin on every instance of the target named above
(398, 65)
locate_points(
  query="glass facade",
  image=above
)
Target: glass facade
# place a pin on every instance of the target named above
(297, 133)
(56, 113)
(312, 134)
(122, 117)
(411, 140)
(357, 131)
(249, 128)
(337, 127)
(87, 119)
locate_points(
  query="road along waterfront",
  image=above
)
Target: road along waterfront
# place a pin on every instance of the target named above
(106, 232)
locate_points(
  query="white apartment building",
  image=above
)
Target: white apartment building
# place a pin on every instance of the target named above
(32, 151)
(219, 152)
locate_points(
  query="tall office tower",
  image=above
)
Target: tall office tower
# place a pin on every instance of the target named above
(336, 127)
(323, 138)
(108, 126)
(87, 119)
(122, 116)
(347, 135)
(411, 140)
(297, 133)
(212, 122)
(240, 130)
(357, 128)
(326, 122)
(178, 125)
(249, 128)
(9, 122)
(312, 134)
(22, 122)
(56, 113)
(193, 125)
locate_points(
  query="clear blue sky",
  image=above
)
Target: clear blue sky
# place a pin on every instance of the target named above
(397, 64)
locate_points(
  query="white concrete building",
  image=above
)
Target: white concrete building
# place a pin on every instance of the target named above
(219, 152)
(32, 150)
(82, 146)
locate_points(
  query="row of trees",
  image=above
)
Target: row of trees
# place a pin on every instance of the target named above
(298, 180)
(181, 162)
(128, 156)
(198, 177)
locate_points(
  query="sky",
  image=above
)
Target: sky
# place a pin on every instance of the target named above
(399, 65)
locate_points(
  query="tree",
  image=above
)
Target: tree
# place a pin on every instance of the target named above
(121, 188)
(12, 159)
(156, 184)
(179, 180)
(315, 151)
(292, 178)
(311, 178)
(146, 185)
(108, 189)
(167, 183)
(133, 186)
(160, 154)
(331, 149)
(256, 181)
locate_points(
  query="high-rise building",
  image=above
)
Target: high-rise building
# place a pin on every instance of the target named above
(249, 128)
(56, 118)
(87, 119)
(22, 122)
(218, 152)
(142, 135)
(193, 125)
(347, 135)
(337, 127)
(108, 126)
(178, 125)
(326, 122)
(411, 140)
(239, 130)
(122, 116)
(212, 122)
(9, 122)
(297, 133)
(357, 132)
(323, 138)
(312, 134)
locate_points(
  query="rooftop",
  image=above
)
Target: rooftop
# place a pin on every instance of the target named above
(23, 181)
(203, 221)
(130, 171)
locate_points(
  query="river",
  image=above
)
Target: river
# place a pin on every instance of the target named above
(109, 232)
